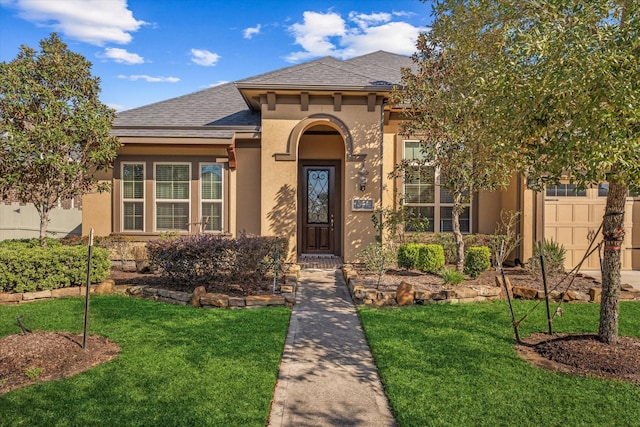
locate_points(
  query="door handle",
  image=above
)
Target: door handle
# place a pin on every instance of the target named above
(331, 224)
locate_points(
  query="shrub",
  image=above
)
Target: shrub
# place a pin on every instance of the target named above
(376, 258)
(554, 255)
(430, 258)
(26, 268)
(205, 258)
(408, 255)
(451, 276)
(448, 243)
(477, 260)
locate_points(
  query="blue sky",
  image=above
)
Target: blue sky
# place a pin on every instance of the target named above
(146, 51)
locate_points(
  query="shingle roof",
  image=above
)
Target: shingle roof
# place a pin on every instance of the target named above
(218, 111)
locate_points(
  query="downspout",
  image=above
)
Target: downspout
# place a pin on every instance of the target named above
(382, 104)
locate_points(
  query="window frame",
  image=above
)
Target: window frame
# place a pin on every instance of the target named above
(202, 200)
(156, 200)
(435, 226)
(125, 200)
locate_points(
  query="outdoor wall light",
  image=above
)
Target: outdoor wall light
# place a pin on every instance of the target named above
(362, 179)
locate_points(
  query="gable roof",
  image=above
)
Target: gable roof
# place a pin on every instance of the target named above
(220, 111)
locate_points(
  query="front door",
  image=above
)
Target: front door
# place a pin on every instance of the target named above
(320, 204)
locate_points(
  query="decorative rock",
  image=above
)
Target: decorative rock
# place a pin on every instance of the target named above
(524, 292)
(421, 296)
(136, 290)
(405, 294)
(165, 293)
(149, 292)
(121, 289)
(630, 295)
(486, 291)
(236, 302)
(264, 300)
(105, 288)
(465, 293)
(385, 299)
(195, 296)
(180, 296)
(30, 296)
(7, 297)
(286, 289)
(64, 292)
(595, 294)
(290, 300)
(627, 287)
(501, 285)
(215, 300)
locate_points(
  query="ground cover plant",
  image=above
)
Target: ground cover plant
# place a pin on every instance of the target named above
(177, 365)
(452, 365)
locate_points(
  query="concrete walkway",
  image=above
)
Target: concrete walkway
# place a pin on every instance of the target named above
(327, 374)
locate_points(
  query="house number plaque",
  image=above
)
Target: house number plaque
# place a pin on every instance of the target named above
(362, 205)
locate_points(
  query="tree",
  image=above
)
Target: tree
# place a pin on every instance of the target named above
(440, 108)
(562, 90)
(54, 129)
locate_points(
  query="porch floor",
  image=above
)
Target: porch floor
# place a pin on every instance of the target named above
(306, 261)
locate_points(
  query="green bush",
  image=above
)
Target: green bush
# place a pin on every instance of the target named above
(477, 260)
(554, 255)
(27, 268)
(448, 243)
(207, 259)
(408, 255)
(452, 276)
(430, 258)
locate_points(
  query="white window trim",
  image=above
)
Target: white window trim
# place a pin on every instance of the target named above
(436, 197)
(124, 200)
(155, 199)
(203, 200)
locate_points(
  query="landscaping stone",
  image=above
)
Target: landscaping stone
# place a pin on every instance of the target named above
(149, 292)
(465, 293)
(136, 291)
(264, 300)
(180, 296)
(630, 295)
(595, 294)
(501, 285)
(290, 300)
(405, 294)
(524, 292)
(105, 288)
(10, 298)
(165, 293)
(195, 296)
(30, 296)
(236, 302)
(65, 292)
(170, 301)
(287, 289)
(121, 290)
(422, 296)
(485, 291)
(215, 300)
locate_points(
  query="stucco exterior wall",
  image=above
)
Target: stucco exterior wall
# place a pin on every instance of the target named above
(247, 192)
(96, 208)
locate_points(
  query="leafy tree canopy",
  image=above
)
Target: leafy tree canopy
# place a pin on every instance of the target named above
(54, 129)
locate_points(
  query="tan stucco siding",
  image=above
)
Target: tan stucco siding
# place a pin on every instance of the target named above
(96, 208)
(247, 192)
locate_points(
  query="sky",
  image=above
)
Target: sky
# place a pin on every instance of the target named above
(145, 51)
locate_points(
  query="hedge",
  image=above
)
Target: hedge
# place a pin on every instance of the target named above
(407, 255)
(477, 260)
(205, 258)
(430, 258)
(28, 268)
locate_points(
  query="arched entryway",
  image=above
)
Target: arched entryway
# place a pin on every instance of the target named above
(321, 156)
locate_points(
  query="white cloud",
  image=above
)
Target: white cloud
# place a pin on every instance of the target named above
(251, 31)
(328, 34)
(149, 79)
(117, 107)
(92, 21)
(121, 56)
(204, 57)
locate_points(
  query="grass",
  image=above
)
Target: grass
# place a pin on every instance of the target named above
(178, 365)
(454, 365)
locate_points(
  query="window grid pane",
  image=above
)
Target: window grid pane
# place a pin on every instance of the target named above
(212, 210)
(172, 216)
(172, 182)
(133, 216)
(211, 182)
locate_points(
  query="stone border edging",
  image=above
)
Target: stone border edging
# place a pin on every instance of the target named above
(405, 294)
(198, 298)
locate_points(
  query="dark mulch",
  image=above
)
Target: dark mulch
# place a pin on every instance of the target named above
(585, 355)
(48, 356)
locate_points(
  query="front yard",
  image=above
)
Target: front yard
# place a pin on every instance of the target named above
(453, 365)
(177, 366)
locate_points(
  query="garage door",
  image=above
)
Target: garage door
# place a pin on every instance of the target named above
(569, 217)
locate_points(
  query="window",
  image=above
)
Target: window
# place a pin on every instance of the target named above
(172, 196)
(133, 196)
(603, 191)
(424, 196)
(211, 196)
(565, 190)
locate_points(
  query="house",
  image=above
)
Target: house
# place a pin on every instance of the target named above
(305, 152)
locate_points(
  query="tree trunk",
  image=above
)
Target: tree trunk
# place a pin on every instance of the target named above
(455, 219)
(613, 235)
(44, 223)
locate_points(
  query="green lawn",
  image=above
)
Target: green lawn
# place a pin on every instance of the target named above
(178, 365)
(455, 365)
